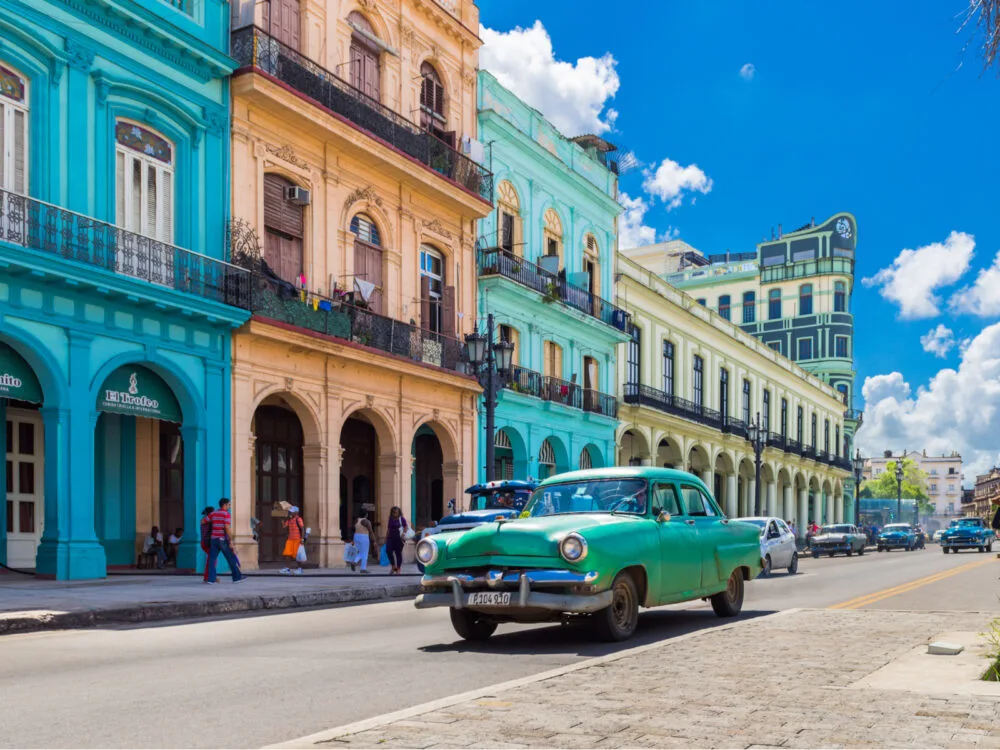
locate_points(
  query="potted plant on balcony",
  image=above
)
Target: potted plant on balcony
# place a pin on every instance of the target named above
(551, 292)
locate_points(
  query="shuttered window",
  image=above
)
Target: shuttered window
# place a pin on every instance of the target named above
(368, 257)
(144, 182)
(284, 229)
(13, 132)
(553, 360)
(365, 73)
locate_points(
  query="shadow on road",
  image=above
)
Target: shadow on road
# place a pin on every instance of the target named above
(576, 638)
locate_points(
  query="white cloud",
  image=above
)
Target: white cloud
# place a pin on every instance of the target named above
(939, 341)
(748, 71)
(670, 181)
(983, 297)
(956, 411)
(915, 275)
(571, 95)
(631, 230)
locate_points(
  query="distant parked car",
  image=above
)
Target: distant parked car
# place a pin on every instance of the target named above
(841, 537)
(937, 535)
(777, 544)
(968, 533)
(897, 536)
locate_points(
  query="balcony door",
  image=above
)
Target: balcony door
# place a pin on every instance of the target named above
(281, 19)
(284, 227)
(365, 74)
(13, 132)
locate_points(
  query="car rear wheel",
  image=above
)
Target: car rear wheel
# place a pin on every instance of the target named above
(793, 567)
(816, 555)
(944, 550)
(471, 626)
(766, 572)
(618, 622)
(989, 547)
(861, 551)
(850, 552)
(729, 603)
(982, 549)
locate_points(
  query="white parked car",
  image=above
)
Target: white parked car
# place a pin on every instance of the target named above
(777, 544)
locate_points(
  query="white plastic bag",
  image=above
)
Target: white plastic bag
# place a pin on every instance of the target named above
(408, 534)
(300, 556)
(351, 554)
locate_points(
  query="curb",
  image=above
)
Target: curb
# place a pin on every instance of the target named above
(191, 610)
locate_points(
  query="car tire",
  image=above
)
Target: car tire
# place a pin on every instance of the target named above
(989, 547)
(861, 551)
(618, 622)
(816, 555)
(729, 603)
(766, 572)
(471, 626)
(878, 549)
(793, 566)
(982, 549)
(944, 550)
(850, 552)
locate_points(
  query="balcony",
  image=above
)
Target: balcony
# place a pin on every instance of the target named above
(854, 415)
(564, 392)
(736, 427)
(51, 230)
(495, 261)
(279, 301)
(668, 403)
(803, 268)
(253, 48)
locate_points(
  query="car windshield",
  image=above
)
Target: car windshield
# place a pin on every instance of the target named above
(898, 527)
(755, 521)
(835, 530)
(499, 500)
(589, 496)
(967, 522)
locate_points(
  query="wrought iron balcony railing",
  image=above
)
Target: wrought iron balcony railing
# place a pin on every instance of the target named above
(495, 261)
(564, 392)
(671, 404)
(600, 403)
(801, 269)
(52, 230)
(777, 440)
(253, 48)
(281, 302)
(855, 415)
(736, 426)
(526, 381)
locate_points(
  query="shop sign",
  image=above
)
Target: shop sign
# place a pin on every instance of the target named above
(17, 379)
(136, 391)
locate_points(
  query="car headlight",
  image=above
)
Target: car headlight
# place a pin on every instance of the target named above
(427, 551)
(573, 548)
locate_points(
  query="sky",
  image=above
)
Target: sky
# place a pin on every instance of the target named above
(744, 116)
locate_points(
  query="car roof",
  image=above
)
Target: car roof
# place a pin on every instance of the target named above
(758, 518)
(624, 472)
(503, 484)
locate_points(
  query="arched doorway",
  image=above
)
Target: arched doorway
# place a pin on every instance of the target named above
(668, 454)
(552, 458)
(725, 483)
(591, 458)
(633, 449)
(428, 478)
(358, 472)
(278, 450)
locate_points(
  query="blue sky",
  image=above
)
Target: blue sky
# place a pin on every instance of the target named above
(853, 106)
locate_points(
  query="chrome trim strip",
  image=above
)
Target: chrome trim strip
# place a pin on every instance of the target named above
(582, 604)
(499, 579)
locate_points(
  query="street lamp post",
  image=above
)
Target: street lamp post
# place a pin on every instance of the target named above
(859, 473)
(757, 439)
(899, 492)
(491, 362)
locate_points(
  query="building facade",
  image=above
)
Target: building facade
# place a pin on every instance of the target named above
(793, 293)
(985, 496)
(694, 384)
(944, 477)
(546, 262)
(116, 307)
(354, 127)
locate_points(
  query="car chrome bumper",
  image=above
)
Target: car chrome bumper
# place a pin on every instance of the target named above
(963, 543)
(523, 586)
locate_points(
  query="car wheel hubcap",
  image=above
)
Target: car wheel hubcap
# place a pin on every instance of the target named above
(621, 606)
(731, 588)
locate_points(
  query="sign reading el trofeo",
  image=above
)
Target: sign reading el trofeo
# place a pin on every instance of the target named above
(132, 399)
(138, 392)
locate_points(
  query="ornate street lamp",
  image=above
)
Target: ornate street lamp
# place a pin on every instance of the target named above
(758, 438)
(859, 473)
(899, 491)
(492, 364)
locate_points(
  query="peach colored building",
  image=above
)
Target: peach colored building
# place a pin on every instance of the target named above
(357, 174)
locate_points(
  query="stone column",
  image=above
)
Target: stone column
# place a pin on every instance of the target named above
(818, 508)
(750, 497)
(802, 520)
(388, 489)
(317, 500)
(772, 499)
(787, 504)
(731, 496)
(708, 477)
(243, 472)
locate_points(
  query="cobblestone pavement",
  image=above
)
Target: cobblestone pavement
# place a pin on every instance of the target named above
(779, 681)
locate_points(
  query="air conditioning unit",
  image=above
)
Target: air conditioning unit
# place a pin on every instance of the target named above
(298, 196)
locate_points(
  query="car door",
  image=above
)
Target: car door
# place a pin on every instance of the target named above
(787, 543)
(680, 548)
(771, 543)
(712, 532)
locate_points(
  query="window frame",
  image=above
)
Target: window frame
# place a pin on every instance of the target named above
(806, 299)
(839, 296)
(633, 357)
(750, 307)
(725, 307)
(9, 109)
(429, 254)
(165, 172)
(669, 383)
(837, 340)
(805, 341)
(698, 381)
(723, 392)
(766, 409)
(784, 417)
(774, 298)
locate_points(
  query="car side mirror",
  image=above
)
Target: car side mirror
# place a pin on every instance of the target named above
(663, 517)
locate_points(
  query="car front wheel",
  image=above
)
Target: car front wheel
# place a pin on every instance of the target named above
(471, 626)
(793, 567)
(766, 572)
(618, 622)
(861, 550)
(729, 603)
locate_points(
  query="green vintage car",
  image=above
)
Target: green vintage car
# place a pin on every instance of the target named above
(598, 543)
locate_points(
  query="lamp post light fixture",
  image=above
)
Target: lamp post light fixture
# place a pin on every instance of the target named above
(859, 473)
(758, 437)
(899, 491)
(492, 364)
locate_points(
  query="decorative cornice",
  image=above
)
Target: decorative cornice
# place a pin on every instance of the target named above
(434, 225)
(287, 153)
(215, 119)
(366, 193)
(79, 56)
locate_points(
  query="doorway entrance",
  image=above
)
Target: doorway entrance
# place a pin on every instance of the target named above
(279, 476)
(24, 477)
(428, 478)
(359, 442)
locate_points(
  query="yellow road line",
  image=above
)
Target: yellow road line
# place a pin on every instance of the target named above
(864, 601)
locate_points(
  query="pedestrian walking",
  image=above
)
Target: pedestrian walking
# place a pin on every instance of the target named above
(365, 540)
(206, 536)
(395, 538)
(221, 544)
(295, 526)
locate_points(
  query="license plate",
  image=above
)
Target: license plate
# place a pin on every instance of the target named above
(489, 599)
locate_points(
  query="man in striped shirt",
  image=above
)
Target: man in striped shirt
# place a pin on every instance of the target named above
(222, 534)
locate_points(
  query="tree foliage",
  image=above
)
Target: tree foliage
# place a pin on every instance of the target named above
(914, 485)
(985, 14)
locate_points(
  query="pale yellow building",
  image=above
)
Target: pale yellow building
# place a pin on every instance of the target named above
(944, 477)
(692, 385)
(356, 167)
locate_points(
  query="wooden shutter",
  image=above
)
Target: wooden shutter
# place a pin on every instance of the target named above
(167, 205)
(286, 23)
(427, 92)
(448, 311)
(438, 98)
(274, 198)
(357, 66)
(151, 206)
(368, 267)
(372, 75)
(120, 189)
(425, 303)
(20, 152)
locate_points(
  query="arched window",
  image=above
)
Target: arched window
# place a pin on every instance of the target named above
(284, 229)
(509, 219)
(13, 133)
(437, 299)
(144, 181)
(592, 264)
(724, 306)
(806, 299)
(774, 304)
(368, 259)
(546, 460)
(586, 462)
(364, 63)
(553, 233)
(749, 307)
(432, 107)
(839, 296)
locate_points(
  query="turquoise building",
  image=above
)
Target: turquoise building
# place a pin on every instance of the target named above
(116, 308)
(546, 273)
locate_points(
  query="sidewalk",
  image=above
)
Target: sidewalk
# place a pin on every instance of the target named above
(801, 678)
(30, 604)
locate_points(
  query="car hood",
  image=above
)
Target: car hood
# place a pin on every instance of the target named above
(477, 516)
(888, 534)
(965, 531)
(830, 538)
(527, 537)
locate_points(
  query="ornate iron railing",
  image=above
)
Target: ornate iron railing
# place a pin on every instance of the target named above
(495, 261)
(36, 225)
(525, 381)
(600, 403)
(801, 269)
(253, 48)
(281, 302)
(564, 392)
(671, 404)
(736, 427)
(777, 440)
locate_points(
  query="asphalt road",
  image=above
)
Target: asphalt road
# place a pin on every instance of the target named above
(257, 680)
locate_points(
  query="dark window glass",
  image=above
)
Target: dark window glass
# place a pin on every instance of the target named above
(746, 402)
(26, 438)
(724, 392)
(10, 477)
(26, 517)
(724, 306)
(815, 433)
(699, 385)
(840, 346)
(749, 307)
(774, 304)
(26, 478)
(799, 424)
(10, 438)
(784, 417)
(826, 435)
(767, 411)
(836, 437)
(702, 301)
(668, 368)
(10, 515)
(806, 299)
(805, 349)
(840, 297)
(633, 363)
